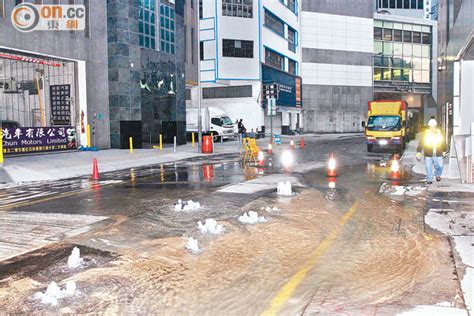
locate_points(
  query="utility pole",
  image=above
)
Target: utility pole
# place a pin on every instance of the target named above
(271, 93)
(199, 75)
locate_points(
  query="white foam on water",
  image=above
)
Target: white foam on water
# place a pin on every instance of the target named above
(270, 209)
(74, 260)
(187, 206)
(193, 245)
(210, 226)
(284, 188)
(53, 293)
(70, 287)
(252, 218)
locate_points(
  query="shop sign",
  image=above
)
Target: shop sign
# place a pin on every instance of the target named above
(289, 86)
(18, 140)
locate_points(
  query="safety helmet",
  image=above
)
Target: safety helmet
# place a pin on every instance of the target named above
(432, 123)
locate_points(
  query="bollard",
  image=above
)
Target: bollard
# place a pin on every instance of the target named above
(174, 144)
(270, 149)
(130, 140)
(302, 143)
(292, 144)
(192, 138)
(161, 142)
(88, 135)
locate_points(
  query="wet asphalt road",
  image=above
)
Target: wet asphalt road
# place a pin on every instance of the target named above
(339, 248)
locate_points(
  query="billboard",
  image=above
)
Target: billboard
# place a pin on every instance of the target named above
(17, 140)
(289, 86)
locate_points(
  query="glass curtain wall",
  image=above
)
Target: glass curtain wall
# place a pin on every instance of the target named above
(402, 52)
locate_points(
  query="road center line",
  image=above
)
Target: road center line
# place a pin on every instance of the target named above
(288, 289)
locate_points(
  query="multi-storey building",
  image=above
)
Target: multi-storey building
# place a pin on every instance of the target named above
(405, 57)
(55, 78)
(245, 44)
(411, 8)
(146, 49)
(337, 48)
(456, 83)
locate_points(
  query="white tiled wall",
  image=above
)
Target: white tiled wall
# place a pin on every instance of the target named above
(331, 74)
(337, 32)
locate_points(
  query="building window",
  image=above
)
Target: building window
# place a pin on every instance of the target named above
(147, 24)
(274, 23)
(167, 27)
(416, 37)
(292, 6)
(292, 67)
(275, 60)
(407, 36)
(291, 40)
(201, 50)
(387, 34)
(237, 48)
(406, 4)
(200, 9)
(377, 33)
(425, 38)
(420, 4)
(238, 8)
(397, 35)
(392, 4)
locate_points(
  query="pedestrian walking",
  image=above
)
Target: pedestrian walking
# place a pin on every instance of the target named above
(433, 146)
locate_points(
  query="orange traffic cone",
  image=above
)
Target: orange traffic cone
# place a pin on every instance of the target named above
(260, 158)
(270, 149)
(302, 142)
(395, 170)
(292, 144)
(95, 170)
(332, 167)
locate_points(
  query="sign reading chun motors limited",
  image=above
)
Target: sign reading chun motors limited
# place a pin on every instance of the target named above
(289, 86)
(17, 140)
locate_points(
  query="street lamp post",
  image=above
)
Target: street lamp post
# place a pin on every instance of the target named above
(199, 76)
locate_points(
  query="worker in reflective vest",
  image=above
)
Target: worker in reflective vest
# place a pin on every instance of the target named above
(433, 146)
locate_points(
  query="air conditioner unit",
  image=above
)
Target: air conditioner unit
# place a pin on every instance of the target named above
(9, 86)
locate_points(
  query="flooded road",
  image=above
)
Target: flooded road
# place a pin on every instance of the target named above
(343, 246)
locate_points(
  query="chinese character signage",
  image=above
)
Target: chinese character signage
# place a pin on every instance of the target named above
(17, 140)
(289, 86)
(60, 104)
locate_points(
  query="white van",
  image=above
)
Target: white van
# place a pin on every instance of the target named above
(213, 120)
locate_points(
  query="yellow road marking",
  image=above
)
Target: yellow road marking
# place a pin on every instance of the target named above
(289, 288)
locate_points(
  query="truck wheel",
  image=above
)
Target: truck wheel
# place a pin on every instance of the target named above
(370, 148)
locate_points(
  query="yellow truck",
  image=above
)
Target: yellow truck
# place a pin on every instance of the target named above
(387, 126)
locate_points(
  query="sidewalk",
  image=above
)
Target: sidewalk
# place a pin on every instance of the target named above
(446, 185)
(55, 166)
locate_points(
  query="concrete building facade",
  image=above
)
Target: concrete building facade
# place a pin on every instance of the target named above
(76, 60)
(146, 53)
(245, 44)
(337, 51)
(456, 83)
